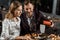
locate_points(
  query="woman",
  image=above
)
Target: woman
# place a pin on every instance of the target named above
(11, 23)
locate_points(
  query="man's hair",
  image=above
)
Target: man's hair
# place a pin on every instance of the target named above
(27, 2)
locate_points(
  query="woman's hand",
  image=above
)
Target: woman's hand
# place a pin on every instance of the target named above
(23, 38)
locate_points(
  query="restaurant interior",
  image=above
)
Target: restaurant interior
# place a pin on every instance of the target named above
(49, 8)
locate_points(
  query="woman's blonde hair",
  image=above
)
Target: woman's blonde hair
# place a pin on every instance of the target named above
(14, 5)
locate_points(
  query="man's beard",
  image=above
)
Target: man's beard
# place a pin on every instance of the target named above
(29, 14)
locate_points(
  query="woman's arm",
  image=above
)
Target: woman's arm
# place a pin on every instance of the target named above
(5, 29)
(16, 34)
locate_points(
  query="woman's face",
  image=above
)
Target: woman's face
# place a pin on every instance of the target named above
(18, 11)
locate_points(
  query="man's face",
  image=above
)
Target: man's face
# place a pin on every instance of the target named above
(29, 9)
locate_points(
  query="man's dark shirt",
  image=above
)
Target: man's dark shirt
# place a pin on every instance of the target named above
(38, 19)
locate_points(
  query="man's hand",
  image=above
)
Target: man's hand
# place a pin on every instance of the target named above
(48, 23)
(52, 25)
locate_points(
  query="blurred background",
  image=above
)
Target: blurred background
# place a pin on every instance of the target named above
(49, 8)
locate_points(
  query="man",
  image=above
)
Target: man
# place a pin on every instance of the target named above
(31, 20)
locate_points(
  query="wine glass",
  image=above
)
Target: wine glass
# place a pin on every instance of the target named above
(42, 28)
